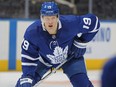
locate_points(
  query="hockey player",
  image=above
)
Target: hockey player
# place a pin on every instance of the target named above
(51, 40)
(108, 78)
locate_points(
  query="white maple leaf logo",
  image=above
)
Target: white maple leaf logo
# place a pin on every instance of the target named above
(59, 55)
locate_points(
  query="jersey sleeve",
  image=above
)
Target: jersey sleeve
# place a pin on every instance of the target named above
(29, 55)
(89, 26)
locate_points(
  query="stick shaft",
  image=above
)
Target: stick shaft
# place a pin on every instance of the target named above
(52, 72)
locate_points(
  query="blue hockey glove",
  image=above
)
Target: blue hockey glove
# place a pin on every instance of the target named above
(28, 81)
(78, 49)
(24, 82)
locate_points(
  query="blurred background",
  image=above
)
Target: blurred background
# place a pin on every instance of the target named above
(17, 15)
(104, 9)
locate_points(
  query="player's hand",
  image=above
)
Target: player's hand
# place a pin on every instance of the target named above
(26, 85)
(77, 50)
(24, 82)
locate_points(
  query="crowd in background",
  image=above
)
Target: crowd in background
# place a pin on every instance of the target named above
(104, 9)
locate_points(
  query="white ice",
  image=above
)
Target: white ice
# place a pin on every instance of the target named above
(9, 79)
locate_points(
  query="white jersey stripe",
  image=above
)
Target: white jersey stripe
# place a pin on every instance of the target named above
(80, 45)
(29, 64)
(28, 57)
(33, 59)
(95, 28)
(25, 80)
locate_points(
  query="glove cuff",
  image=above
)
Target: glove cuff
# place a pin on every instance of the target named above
(25, 80)
(79, 45)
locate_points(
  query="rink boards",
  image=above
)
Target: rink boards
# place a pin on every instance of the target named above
(101, 48)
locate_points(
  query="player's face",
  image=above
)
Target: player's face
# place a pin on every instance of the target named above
(50, 23)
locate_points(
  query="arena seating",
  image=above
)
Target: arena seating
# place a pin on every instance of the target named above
(104, 9)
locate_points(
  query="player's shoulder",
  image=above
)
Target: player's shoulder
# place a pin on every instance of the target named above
(78, 18)
(33, 30)
(34, 27)
(89, 15)
(88, 18)
(89, 22)
(69, 18)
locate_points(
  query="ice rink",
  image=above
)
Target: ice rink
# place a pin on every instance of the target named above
(8, 79)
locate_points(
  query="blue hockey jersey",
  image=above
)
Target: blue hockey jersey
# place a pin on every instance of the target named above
(39, 45)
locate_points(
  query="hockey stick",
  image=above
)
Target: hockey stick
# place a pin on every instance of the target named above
(52, 72)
